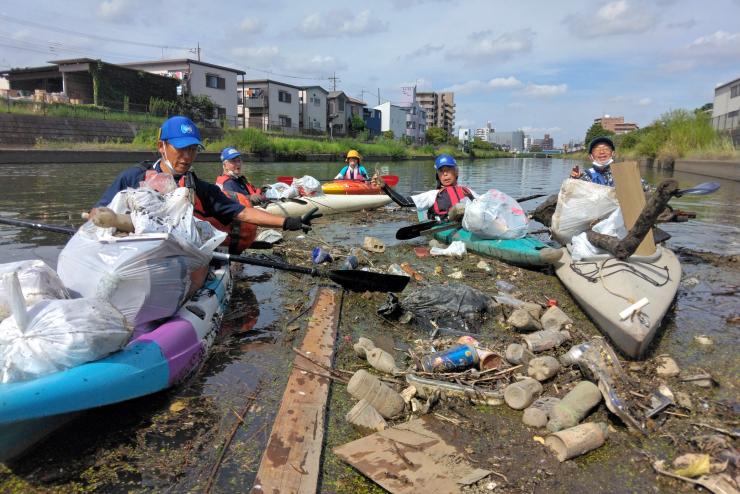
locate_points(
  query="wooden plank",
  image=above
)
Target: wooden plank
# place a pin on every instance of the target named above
(291, 461)
(631, 199)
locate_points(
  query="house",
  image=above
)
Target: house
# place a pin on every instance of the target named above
(270, 105)
(372, 118)
(392, 118)
(198, 78)
(74, 81)
(312, 115)
(726, 108)
(338, 113)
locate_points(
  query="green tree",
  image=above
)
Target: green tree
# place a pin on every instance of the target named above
(436, 136)
(197, 108)
(388, 134)
(357, 124)
(596, 130)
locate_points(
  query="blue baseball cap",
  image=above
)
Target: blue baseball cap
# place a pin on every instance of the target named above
(444, 160)
(180, 132)
(229, 154)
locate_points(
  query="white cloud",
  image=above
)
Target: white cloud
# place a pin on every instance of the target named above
(481, 86)
(318, 64)
(117, 10)
(404, 4)
(250, 25)
(420, 84)
(256, 52)
(716, 45)
(485, 48)
(613, 18)
(544, 90)
(317, 26)
(645, 101)
(536, 130)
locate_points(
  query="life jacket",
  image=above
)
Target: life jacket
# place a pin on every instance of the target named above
(456, 194)
(356, 175)
(240, 235)
(599, 178)
(222, 179)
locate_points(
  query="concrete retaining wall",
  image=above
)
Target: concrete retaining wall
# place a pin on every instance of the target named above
(25, 130)
(729, 170)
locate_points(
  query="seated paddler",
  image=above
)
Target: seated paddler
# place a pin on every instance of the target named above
(440, 201)
(353, 170)
(232, 180)
(178, 145)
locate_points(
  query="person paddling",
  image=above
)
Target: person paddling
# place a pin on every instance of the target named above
(353, 170)
(446, 196)
(231, 180)
(178, 145)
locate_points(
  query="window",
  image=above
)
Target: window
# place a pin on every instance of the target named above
(215, 82)
(285, 121)
(341, 104)
(735, 91)
(316, 101)
(284, 96)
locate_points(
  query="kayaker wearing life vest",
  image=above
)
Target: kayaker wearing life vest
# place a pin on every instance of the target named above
(353, 170)
(448, 193)
(601, 154)
(231, 180)
(178, 145)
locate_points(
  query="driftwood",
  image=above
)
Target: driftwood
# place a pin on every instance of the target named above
(622, 249)
(543, 213)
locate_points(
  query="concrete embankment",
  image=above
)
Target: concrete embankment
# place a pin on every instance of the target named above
(726, 169)
(35, 156)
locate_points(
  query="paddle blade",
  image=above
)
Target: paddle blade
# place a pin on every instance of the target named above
(366, 281)
(390, 180)
(286, 180)
(413, 231)
(699, 190)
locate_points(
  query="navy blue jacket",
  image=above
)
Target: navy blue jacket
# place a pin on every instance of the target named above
(215, 203)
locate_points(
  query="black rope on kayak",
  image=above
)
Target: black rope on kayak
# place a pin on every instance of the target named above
(592, 273)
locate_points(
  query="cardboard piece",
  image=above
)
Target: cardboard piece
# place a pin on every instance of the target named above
(412, 457)
(631, 199)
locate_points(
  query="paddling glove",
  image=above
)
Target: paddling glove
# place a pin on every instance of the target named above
(294, 223)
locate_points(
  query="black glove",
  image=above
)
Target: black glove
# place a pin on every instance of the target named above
(294, 223)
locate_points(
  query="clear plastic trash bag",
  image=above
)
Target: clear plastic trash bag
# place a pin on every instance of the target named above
(37, 280)
(307, 186)
(495, 215)
(279, 191)
(580, 203)
(612, 226)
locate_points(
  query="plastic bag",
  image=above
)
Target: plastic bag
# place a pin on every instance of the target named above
(37, 281)
(426, 200)
(495, 215)
(612, 226)
(279, 191)
(56, 334)
(146, 277)
(579, 204)
(307, 186)
(456, 248)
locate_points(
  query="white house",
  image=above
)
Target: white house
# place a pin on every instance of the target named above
(726, 109)
(270, 105)
(392, 118)
(313, 108)
(200, 79)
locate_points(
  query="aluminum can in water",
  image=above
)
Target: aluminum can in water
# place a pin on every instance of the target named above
(351, 262)
(456, 358)
(319, 255)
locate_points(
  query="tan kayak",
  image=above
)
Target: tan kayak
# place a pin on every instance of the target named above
(327, 204)
(609, 290)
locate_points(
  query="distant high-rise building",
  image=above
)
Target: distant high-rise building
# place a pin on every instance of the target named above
(484, 133)
(527, 142)
(616, 124)
(547, 142)
(513, 141)
(439, 108)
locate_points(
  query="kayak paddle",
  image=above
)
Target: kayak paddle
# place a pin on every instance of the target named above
(391, 180)
(698, 190)
(350, 279)
(413, 231)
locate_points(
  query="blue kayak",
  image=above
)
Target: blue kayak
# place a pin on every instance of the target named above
(157, 358)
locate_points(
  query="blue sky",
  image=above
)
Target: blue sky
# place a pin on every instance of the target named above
(533, 65)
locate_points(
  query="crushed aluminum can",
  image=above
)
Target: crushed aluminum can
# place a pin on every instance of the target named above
(455, 358)
(319, 255)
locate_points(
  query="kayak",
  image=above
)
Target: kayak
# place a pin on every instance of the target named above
(604, 287)
(153, 361)
(327, 204)
(350, 187)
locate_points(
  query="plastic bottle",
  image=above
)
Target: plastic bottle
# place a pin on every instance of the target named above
(319, 255)
(574, 406)
(539, 411)
(545, 340)
(543, 368)
(351, 262)
(364, 416)
(577, 440)
(382, 361)
(362, 346)
(365, 386)
(505, 286)
(521, 394)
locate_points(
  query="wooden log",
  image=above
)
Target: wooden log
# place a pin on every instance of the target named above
(622, 249)
(291, 461)
(631, 199)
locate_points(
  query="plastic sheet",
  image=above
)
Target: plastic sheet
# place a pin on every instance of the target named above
(307, 186)
(456, 248)
(56, 334)
(495, 215)
(612, 226)
(580, 203)
(37, 281)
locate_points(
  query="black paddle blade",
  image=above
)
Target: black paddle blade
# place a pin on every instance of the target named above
(413, 231)
(366, 281)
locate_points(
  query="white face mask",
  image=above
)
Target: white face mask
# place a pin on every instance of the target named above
(603, 166)
(165, 161)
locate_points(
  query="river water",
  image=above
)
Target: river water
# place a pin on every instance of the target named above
(57, 193)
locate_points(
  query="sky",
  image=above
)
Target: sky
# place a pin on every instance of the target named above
(540, 66)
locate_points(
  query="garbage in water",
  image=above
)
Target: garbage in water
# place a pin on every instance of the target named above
(521, 394)
(541, 341)
(456, 248)
(543, 368)
(383, 361)
(319, 255)
(459, 357)
(409, 270)
(577, 440)
(422, 252)
(521, 319)
(518, 354)
(505, 286)
(574, 406)
(365, 417)
(373, 244)
(364, 386)
(351, 262)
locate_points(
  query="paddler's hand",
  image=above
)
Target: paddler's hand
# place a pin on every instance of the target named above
(294, 223)
(575, 172)
(456, 212)
(377, 180)
(255, 199)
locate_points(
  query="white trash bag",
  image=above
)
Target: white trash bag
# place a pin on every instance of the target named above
(54, 335)
(456, 248)
(580, 203)
(307, 186)
(37, 280)
(279, 191)
(495, 215)
(612, 226)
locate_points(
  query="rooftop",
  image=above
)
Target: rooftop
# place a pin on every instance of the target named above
(182, 61)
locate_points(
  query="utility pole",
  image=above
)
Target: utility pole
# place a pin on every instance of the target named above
(199, 51)
(378, 96)
(335, 79)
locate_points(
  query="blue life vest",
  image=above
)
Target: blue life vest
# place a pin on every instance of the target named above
(600, 178)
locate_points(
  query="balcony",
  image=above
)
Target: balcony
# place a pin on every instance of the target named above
(257, 102)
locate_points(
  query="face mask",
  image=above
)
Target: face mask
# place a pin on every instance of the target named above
(232, 173)
(166, 162)
(603, 166)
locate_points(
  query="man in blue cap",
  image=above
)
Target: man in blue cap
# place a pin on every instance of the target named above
(449, 193)
(231, 180)
(178, 145)
(601, 152)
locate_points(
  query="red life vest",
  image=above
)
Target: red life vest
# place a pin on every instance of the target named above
(240, 235)
(455, 192)
(222, 179)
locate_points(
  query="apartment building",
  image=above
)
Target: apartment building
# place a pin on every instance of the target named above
(483, 133)
(313, 109)
(269, 105)
(439, 108)
(616, 124)
(513, 141)
(393, 118)
(726, 109)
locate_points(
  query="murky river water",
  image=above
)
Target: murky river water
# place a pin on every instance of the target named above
(57, 193)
